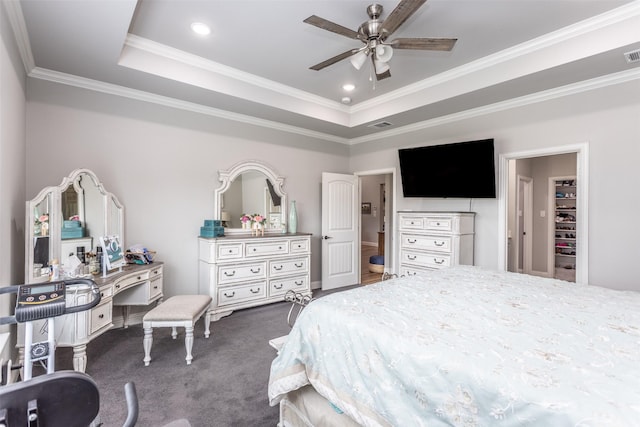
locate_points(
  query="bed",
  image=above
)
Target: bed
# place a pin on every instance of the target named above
(464, 346)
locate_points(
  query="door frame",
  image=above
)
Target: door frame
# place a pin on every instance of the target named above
(389, 261)
(582, 227)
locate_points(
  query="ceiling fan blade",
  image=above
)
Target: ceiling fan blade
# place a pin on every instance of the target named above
(423, 44)
(331, 26)
(401, 13)
(333, 60)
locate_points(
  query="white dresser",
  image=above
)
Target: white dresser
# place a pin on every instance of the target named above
(243, 271)
(434, 240)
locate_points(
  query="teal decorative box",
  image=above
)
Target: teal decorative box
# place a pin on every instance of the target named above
(71, 224)
(212, 228)
(72, 233)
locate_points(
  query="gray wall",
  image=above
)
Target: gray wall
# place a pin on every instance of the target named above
(12, 171)
(163, 164)
(607, 119)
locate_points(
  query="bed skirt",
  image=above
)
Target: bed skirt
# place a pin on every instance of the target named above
(305, 407)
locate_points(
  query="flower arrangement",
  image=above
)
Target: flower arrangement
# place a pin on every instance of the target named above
(246, 220)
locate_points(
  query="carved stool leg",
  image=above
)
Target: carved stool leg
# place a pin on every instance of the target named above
(80, 358)
(174, 332)
(146, 343)
(207, 321)
(188, 343)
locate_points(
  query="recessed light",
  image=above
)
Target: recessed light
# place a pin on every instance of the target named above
(200, 28)
(348, 87)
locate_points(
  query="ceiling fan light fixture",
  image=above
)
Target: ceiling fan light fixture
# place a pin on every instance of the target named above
(358, 59)
(384, 52)
(380, 67)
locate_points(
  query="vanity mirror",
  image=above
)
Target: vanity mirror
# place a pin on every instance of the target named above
(251, 187)
(72, 215)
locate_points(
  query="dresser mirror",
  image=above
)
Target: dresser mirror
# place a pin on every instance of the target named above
(250, 187)
(62, 218)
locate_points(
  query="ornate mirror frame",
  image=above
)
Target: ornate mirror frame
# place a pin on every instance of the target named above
(51, 197)
(227, 177)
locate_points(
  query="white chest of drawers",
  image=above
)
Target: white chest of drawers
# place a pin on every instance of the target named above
(434, 240)
(244, 271)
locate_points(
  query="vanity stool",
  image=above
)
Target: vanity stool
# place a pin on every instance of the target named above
(177, 311)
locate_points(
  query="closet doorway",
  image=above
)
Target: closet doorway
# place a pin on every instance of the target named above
(540, 166)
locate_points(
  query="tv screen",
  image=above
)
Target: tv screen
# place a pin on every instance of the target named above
(464, 169)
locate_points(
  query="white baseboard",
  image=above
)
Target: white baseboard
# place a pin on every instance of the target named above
(369, 243)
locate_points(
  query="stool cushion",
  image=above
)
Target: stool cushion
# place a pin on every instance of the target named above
(376, 259)
(179, 307)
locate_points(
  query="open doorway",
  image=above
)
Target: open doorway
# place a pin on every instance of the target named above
(541, 166)
(376, 208)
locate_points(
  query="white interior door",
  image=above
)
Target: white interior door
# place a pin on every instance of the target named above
(340, 228)
(524, 224)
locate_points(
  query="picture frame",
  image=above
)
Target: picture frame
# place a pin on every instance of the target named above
(113, 253)
(366, 208)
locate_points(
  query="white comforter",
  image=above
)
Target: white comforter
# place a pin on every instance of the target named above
(470, 347)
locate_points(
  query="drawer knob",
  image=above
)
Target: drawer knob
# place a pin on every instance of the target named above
(117, 286)
(438, 262)
(411, 241)
(139, 278)
(299, 265)
(230, 273)
(256, 271)
(230, 251)
(230, 296)
(435, 242)
(299, 283)
(411, 257)
(254, 249)
(101, 316)
(155, 287)
(278, 286)
(279, 247)
(254, 291)
(277, 268)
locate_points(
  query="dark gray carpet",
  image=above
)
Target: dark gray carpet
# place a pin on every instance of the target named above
(225, 385)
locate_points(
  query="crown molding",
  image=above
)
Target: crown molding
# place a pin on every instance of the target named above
(547, 95)
(183, 57)
(586, 26)
(20, 33)
(112, 89)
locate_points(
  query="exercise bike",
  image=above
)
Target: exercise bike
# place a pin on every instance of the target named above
(55, 399)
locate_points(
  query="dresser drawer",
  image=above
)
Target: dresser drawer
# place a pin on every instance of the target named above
(406, 270)
(426, 242)
(242, 293)
(288, 266)
(128, 281)
(155, 288)
(230, 251)
(100, 316)
(236, 273)
(409, 222)
(278, 247)
(438, 224)
(426, 259)
(301, 245)
(281, 286)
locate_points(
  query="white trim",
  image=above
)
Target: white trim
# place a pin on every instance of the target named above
(391, 261)
(582, 204)
(19, 27)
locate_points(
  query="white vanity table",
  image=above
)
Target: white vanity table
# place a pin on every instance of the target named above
(240, 270)
(100, 213)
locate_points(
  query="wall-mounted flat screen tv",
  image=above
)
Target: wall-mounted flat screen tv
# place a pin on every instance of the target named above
(464, 169)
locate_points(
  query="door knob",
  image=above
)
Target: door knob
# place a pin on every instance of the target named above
(327, 237)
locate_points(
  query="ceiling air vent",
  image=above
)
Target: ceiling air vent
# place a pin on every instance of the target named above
(380, 125)
(633, 56)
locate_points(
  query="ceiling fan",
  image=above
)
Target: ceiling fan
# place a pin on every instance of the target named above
(374, 33)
